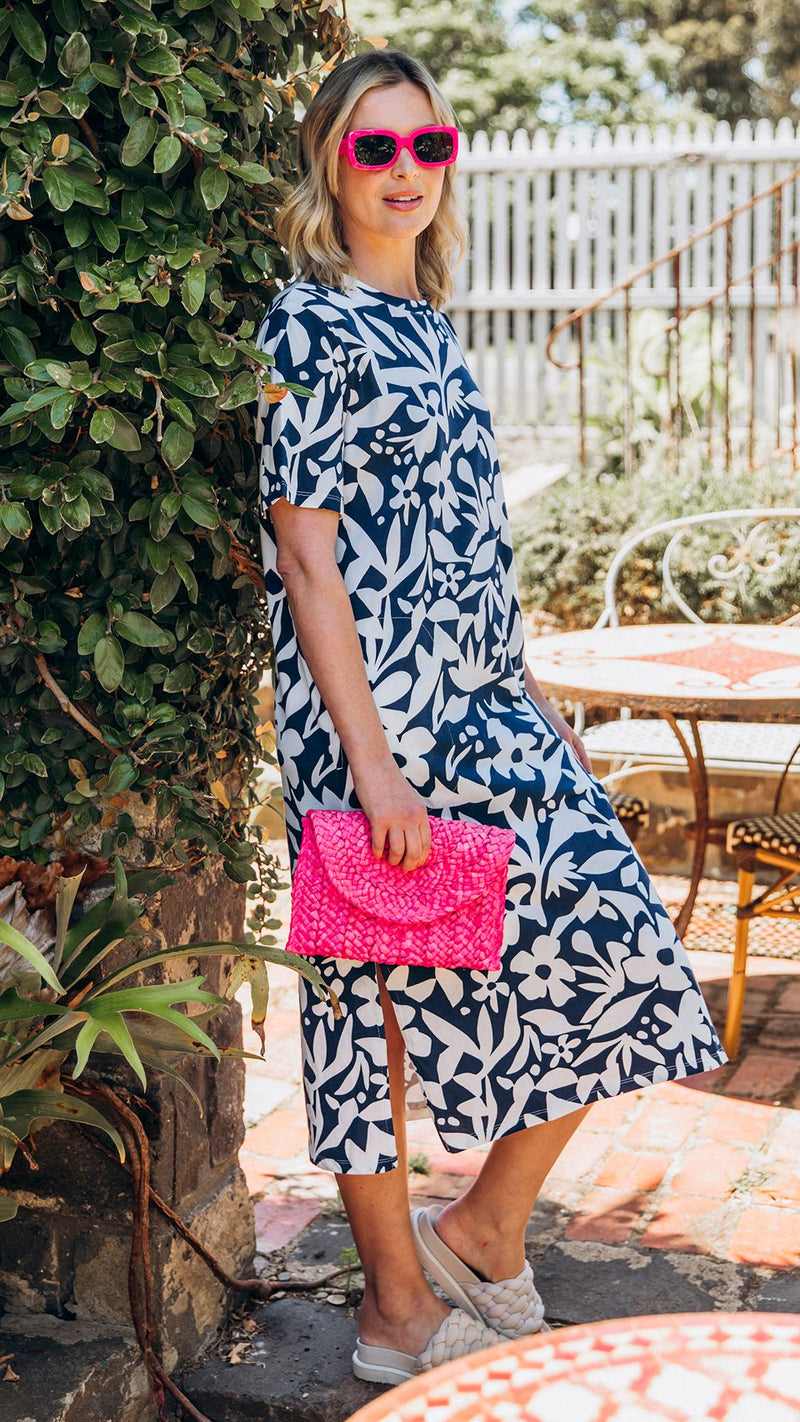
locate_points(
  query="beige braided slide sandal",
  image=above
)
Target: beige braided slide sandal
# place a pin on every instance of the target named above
(458, 1335)
(512, 1306)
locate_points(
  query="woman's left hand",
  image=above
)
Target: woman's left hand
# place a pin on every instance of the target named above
(560, 726)
(572, 738)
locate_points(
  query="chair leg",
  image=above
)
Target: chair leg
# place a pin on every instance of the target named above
(733, 1020)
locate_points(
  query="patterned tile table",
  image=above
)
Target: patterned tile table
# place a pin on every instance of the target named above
(698, 672)
(714, 1367)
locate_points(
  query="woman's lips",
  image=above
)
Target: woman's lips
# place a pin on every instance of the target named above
(404, 204)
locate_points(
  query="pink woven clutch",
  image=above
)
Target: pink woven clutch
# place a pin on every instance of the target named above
(448, 913)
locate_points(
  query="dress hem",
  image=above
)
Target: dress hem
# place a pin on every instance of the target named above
(627, 1085)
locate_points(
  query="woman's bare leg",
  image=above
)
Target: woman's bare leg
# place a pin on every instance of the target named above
(486, 1225)
(399, 1309)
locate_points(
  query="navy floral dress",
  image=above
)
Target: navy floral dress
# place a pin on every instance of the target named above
(595, 995)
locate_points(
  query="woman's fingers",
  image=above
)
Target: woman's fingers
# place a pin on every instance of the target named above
(409, 843)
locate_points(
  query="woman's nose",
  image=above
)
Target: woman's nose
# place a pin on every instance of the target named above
(404, 163)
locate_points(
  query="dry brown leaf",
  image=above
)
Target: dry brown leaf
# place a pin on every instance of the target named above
(220, 793)
(273, 393)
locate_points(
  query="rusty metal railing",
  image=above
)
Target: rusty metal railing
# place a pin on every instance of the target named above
(728, 421)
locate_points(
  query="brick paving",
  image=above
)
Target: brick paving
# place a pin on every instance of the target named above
(706, 1169)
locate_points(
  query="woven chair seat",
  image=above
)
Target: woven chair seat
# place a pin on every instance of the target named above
(630, 808)
(779, 833)
(726, 744)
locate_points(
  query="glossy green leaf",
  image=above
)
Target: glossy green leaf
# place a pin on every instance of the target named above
(201, 512)
(77, 227)
(242, 390)
(141, 630)
(214, 184)
(193, 289)
(15, 519)
(177, 445)
(139, 140)
(168, 151)
(195, 381)
(107, 232)
(91, 632)
(252, 172)
(161, 61)
(28, 33)
(111, 427)
(75, 55)
(109, 663)
(16, 347)
(59, 188)
(62, 408)
(83, 337)
(163, 589)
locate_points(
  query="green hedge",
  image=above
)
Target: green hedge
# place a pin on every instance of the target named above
(146, 146)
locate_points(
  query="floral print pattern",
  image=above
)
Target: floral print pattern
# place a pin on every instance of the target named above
(595, 995)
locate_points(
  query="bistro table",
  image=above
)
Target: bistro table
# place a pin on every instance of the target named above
(730, 1367)
(695, 672)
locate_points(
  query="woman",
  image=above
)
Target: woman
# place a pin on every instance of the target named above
(401, 689)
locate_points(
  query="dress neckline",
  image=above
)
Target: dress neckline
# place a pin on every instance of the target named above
(391, 297)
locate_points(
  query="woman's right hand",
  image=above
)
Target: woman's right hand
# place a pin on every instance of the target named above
(395, 812)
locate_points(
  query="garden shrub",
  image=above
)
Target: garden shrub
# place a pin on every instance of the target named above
(565, 539)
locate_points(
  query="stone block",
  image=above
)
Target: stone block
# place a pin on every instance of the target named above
(298, 1370)
(72, 1372)
(585, 1282)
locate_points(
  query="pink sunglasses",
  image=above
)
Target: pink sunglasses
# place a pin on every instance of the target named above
(433, 146)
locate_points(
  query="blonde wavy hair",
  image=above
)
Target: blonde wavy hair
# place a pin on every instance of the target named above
(309, 226)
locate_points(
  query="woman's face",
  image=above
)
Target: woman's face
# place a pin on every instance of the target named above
(365, 197)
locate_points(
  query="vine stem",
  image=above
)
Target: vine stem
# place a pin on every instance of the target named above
(66, 705)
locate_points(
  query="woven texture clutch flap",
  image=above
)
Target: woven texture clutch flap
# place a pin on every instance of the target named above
(448, 913)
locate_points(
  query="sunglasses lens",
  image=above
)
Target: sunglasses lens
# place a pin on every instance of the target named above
(434, 147)
(374, 150)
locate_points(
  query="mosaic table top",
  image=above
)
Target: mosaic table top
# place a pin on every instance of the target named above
(712, 670)
(742, 1367)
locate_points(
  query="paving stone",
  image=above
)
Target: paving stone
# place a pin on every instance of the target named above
(740, 1122)
(279, 1220)
(282, 1135)
(606, 1216)
(689, 1223)
(710, 1172)
(298, 1369)
(767, 1237)
(625, 1170)
(584, 1283)
(262, 1094)
(764, 1076)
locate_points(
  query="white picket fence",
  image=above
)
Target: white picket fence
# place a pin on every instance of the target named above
(554, 225)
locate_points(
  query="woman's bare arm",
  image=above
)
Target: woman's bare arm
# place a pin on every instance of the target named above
(556, 721)
(326, 632)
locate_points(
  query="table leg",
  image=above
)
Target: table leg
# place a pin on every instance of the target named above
(698, 777)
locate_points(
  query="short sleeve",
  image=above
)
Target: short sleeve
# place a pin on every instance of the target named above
(301, 437)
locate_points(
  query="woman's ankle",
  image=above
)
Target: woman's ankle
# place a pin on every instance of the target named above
(492, 1247)
(405, 1322)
